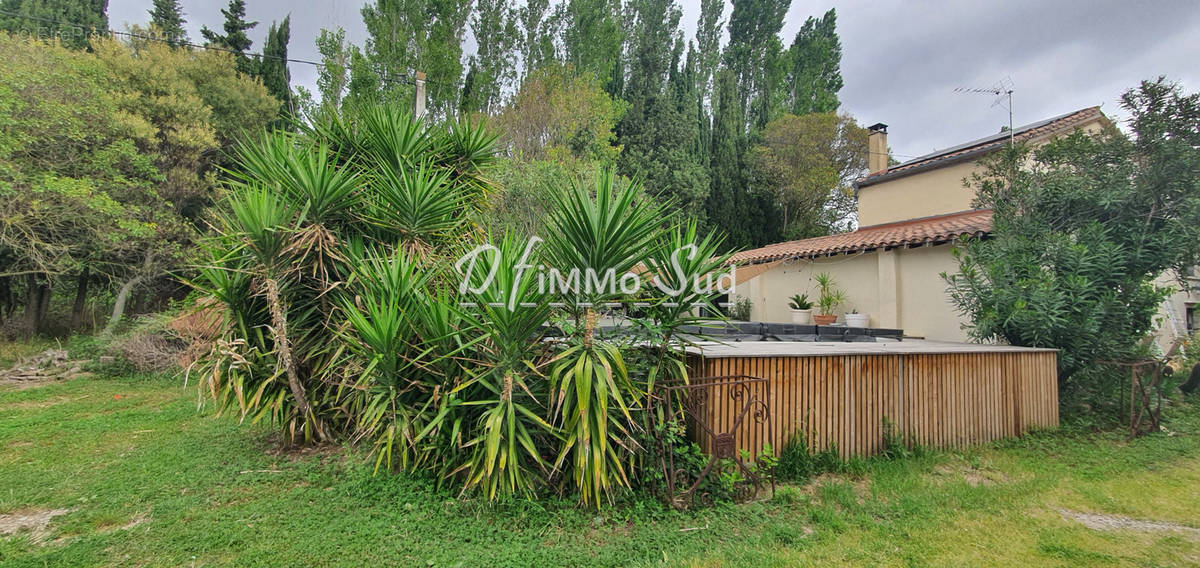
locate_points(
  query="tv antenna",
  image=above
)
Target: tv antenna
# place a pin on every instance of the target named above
(1003, 91)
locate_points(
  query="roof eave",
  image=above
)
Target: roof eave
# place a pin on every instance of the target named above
(979, 234)
(932, 164)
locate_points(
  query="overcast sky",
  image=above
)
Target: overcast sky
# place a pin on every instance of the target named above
(901, 61)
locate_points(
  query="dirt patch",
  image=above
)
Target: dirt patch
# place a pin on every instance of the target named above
(325, 452)
(1111, 523)
(34, 521)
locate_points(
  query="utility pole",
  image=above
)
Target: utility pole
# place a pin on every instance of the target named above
(419, 104)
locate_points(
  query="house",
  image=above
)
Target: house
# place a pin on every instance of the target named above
(910, 217)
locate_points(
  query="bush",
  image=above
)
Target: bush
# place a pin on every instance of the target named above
(344, 318)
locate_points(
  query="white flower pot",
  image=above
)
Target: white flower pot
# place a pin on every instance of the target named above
(802, 317)
(857, 320)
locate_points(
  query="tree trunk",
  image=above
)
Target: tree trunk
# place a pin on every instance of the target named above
(44, 307)
(31, 304)
(119, 306)
(81, 291)
(6, 298)
(34, 291)
(283, 348)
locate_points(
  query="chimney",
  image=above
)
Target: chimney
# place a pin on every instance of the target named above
(877, 149)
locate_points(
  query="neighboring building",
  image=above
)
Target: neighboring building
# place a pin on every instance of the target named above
(910, 217)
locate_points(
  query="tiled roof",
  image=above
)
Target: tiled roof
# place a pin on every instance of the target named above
(928, 230)
(1052, 126)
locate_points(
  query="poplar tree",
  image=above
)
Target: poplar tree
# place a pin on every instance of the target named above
(815, 76)
(493, 67)
(417, 35)
(334, 73)
(592, 39)
(708, 45)
(536, 35)
(754, 55)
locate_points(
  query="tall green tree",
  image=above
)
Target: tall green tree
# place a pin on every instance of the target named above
(273, 68)
(493, 67)
(234, 37)
(755, 56)
(815, 76)
(559, 114)
(592, 38)
(659, 134)
(708, 45)
(63, 176)
(111, 194)
(732, 206)
(406, 36)
(334, 73)
(536, 34)
(1081, 229)
(71, 21)
(807, 164)
(167, 18)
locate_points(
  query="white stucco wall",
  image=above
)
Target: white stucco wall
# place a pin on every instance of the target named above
(925, 309)
(902, 288)
(1171, 322)
(771, 291)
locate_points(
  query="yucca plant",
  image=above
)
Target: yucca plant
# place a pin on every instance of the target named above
(418, 203)
(264, 223)
(333, 257)
(504, 401)
(383, 316)
(300, 211)
(307, 178)
(590, 387)
(685, 268)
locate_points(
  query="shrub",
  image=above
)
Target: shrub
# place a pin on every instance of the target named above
(343, 318)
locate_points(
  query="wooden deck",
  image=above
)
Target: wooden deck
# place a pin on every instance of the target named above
(936, 394)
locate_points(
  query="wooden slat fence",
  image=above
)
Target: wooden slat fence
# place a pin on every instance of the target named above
(936, 399)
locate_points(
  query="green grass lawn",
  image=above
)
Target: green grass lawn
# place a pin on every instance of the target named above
(145, 479)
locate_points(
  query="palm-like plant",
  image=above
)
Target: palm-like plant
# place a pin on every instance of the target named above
(418, 203)
(333, 260)
(590, 387)
(829, 296)
(507, 388)
(685, 268)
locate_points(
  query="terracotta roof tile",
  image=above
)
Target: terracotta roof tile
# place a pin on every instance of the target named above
(928, 230)
(1058, 125)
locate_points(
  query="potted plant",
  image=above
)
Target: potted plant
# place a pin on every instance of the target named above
(801, 309)
(855, 319)
(828, 299)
